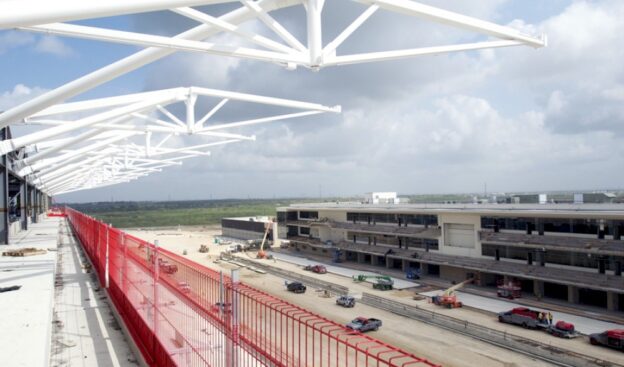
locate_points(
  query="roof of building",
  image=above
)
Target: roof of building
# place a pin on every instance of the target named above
(607, 210)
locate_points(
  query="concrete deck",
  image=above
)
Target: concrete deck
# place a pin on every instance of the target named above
(43, 324)
(339, 270)
(26, 316)
(583, 325)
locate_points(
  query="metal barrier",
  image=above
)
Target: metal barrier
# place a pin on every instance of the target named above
(514, 342)
(180, 313)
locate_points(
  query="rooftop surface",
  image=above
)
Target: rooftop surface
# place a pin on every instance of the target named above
(571, 210)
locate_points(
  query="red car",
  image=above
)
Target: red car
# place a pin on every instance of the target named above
(319, 269)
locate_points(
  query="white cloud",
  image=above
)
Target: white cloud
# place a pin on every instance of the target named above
(53, 45)
(14, 39)
(18, 95)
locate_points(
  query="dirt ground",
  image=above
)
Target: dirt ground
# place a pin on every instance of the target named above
(436, 344)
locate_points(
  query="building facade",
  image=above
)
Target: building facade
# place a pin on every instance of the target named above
(560, 251)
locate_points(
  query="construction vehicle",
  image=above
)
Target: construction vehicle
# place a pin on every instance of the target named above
(345, 301)
(363, 324)
(562, 329)
(203, 249)
(319, 269)
(448, 298)
(509, 290)
(382, 282)
(525, 317)
(412, 273)
(295, 287)
(610, 338)
(261, 254)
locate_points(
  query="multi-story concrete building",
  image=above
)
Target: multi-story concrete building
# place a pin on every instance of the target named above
(561, 251)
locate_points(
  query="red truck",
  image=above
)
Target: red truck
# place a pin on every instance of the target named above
(609, 338)
(319, 269)
(525, 317)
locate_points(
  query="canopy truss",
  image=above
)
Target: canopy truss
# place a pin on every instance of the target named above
(131, 116)
(122, 138)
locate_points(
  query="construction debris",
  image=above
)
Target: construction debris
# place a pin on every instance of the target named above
(203, 248)
(30, 251)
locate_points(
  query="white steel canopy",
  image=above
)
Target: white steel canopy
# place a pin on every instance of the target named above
(128, 116)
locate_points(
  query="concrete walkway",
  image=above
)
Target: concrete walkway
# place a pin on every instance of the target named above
(69, 324)
(339, 270)
(26, 314)
(85, 332)
(582, 324)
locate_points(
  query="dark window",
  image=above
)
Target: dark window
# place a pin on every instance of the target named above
(291, 216)
(308, 215)
(281, 217)
(304, 230)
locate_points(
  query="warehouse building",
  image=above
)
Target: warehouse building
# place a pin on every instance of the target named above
(570, 252)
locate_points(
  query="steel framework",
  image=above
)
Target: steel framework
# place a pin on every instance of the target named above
(108, 152)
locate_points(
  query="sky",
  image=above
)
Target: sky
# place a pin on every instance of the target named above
(516, 119)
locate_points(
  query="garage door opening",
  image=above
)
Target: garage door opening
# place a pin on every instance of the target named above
(557, 291)
(592, 297)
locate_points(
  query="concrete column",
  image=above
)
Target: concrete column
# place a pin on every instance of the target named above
(4, 195)
(361, 258)
(404, 265)
(388, 262)
(23, 207)
(538, 289)
(540, 227)
(374, 260)
(573, 294)
(617, 230)
(612, 301)
(375, 241)
(542, 257)
(424, 269)
(369, 241)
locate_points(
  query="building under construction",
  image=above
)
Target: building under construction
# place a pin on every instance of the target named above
(560, 251)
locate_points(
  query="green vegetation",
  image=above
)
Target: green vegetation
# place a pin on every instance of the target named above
(172, 213)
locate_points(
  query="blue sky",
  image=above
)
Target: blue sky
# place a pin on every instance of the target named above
(519, 119)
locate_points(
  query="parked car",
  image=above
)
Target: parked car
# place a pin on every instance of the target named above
(184, 287)
(363, 324)
(319, 269)
(345, 301)
(562, 329)
(295, 287)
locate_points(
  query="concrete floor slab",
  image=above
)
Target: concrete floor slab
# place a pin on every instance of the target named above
(584, 325)
(26, 316)
(85, 332)
(339, 270)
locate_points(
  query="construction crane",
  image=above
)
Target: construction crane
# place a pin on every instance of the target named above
(448, 298)
(261, 254)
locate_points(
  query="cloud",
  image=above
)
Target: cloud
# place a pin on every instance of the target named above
(14, 39)
(53, 45)
(18, 95)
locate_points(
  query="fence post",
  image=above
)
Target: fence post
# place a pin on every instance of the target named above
(106, 268)
(234, 307)
(122, 268)
(155, 304)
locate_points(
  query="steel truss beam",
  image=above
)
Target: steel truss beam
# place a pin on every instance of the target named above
(105, 149)
(108, 137)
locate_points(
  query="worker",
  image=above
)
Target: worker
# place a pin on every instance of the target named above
(540, 317)
(550, 318)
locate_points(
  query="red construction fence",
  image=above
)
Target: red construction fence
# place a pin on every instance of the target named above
(181, 313)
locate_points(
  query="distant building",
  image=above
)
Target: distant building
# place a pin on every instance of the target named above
(247, 228)
(565, 252)
(594, 198)
(381, 198)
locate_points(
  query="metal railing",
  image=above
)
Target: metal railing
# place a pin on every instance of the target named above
(180, 313)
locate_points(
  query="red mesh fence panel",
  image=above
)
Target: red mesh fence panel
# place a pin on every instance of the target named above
(180, 313)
